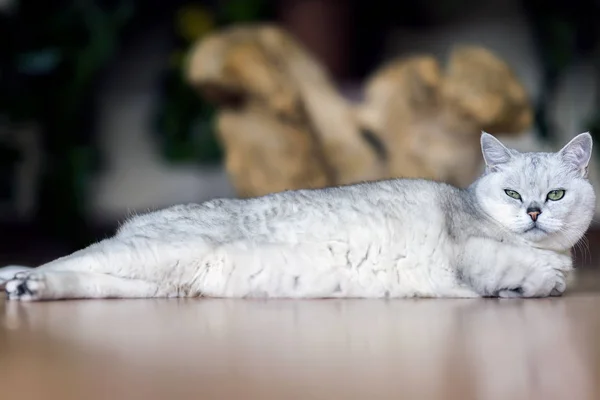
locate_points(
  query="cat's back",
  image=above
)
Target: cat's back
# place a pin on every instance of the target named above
(405, 204)
(408, 191)
(402, 196)
(396, 204)
(403, 199)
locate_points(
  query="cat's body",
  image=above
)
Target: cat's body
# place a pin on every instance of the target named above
(396, 238)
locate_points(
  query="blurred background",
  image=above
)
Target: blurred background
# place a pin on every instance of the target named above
(105, 110)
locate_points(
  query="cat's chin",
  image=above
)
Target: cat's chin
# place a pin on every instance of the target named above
(536, 230)
(547, 241)
(536, 233)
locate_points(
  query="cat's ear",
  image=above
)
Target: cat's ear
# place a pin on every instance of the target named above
(577, 153)
(494, 152)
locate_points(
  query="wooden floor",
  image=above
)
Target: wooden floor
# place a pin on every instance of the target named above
(355, 349)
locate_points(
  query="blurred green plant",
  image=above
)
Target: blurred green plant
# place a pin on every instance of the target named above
(565, 32)
(52, 54)
(184, 121)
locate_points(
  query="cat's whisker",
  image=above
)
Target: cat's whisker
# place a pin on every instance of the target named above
(581, 245)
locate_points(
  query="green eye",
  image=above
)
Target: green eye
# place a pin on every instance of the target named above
(556, 194)
(513, 194)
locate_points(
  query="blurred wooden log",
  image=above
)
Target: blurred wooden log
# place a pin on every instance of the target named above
(266, 155)
(430, 119)
(283, 124)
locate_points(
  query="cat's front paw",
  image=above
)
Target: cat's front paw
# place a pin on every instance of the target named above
(544, 285)
(550, 277)
(25, 287)
(559, 288)
(540, 282)
(511, 293)
(546, 277)
(536, 288)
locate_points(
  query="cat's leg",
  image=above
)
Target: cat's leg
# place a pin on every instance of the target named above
(52, 285)
(122, 267)
(498, 269)
(168, 248)
(116, 267)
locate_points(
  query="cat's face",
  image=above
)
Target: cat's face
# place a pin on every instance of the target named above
(544, 198)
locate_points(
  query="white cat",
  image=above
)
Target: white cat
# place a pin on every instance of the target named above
(509, 235)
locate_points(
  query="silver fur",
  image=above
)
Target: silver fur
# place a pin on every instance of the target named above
(395, 238)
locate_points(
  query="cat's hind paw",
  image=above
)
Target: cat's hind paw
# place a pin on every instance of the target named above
(25, 287)
(9, 272)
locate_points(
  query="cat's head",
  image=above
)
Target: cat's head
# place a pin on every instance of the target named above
(543, 198)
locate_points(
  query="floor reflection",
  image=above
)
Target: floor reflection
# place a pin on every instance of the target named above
(425, 349)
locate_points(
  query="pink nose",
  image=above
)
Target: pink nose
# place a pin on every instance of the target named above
(534, 215)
